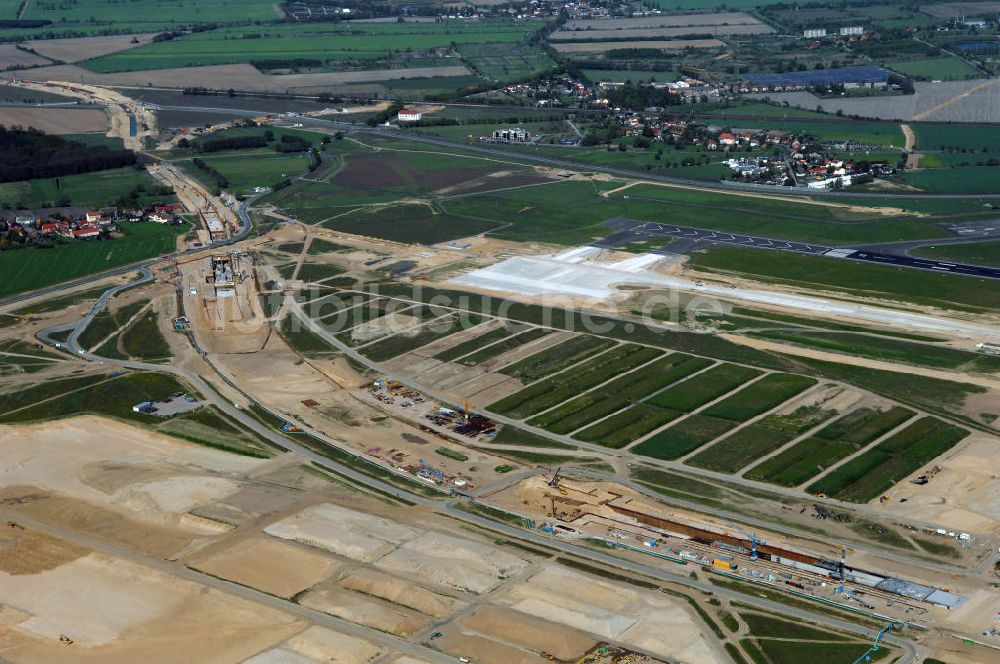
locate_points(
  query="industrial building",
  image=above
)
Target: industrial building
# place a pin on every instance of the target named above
(814, 33)
(852, 31)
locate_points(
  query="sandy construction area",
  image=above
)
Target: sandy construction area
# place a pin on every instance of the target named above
(116, 611)
(12, 57)
(109, 464)
(639, 618)
(363, 610)
(530, 632)
(320, 645)
(965, 494)
(56, 120)
(270, 565)
(401, 592)
(454, 563)
(76, 49)
(239, 76)
(669, 45)
(354, 535)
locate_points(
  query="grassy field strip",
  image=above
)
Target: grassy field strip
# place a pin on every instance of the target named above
(680, 384)
(415, 326)
(589, 409)
(344, 306)
(741, 425)
(679, 443)
(553, 391)
(636, 418)
(33, 402)
(838, 441)
(554, 360)
(475, 342)
(744, 413)
(403, 342)
(497, 348)
(123, 327)
(819, 477)
(597, 388)
(868, 476)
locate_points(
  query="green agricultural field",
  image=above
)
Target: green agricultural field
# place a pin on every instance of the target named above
(767, 393)
(971, 138)
(336, 44)
(156, 11)
(245, 170)
(686, 436)
(850, 277)
(834, 442)
(86, 190)
(557, 358)
(409, 223)
(758, 439)
(627, 426)
(977, 253)
(622, 75)
(506, 62)
(28, 269)
(390, 347)
(572, 213)
(962, 180)
(705, 387)
(889, 350)
(510, 343)
(868, 476)
(547, 393)
(311, 272)
(945, 68)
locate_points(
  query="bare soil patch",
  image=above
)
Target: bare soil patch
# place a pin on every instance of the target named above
(363, 610)
(377, 171)
(76, 49)
(536, 634)
(56, 120)
(24, 551)
(668, 45)
(12, 57)
(402, 592)
(269, 565)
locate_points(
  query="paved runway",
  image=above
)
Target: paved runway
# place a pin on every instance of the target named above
(630, 228)
(625, 230)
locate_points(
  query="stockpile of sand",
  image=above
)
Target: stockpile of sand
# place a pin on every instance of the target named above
(402, 592)
(453, 562)
(637, 618)
(269, 565)
(364, 610)
(177, 494)
(355, 535)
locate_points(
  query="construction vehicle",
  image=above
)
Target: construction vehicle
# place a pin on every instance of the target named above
(555, 478)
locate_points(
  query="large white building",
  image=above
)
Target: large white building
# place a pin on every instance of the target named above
(814, 33)
(409, 115)
(852, 31)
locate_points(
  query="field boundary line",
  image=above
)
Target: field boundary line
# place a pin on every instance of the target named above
(753, 420)
(867, 448)
(697, 411)
(595, 387)
(812, 430)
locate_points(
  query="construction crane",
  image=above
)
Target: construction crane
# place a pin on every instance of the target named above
(751, 535)
(867, 656)
(555, 478)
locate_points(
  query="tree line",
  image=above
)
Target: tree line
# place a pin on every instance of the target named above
(26, 154)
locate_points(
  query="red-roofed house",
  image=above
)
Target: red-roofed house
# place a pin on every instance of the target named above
(726, 138)
(86, 233)
(49, 229)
